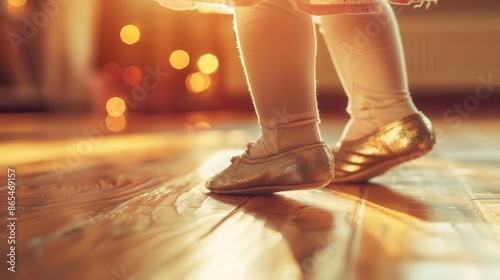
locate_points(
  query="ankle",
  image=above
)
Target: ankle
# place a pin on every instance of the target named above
(275, 140)
(364, 123)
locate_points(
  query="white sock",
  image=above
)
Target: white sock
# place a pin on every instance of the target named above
(278, 48)
(368, 55)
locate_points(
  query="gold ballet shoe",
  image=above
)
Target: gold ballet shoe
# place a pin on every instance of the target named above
(302, 168)
(402, 140)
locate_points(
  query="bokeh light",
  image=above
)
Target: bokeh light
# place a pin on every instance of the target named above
(132, 75)
(130, 34)
(179, 59)
(112, 71)
(202, 125)
(17, 3)
(116, 107)
(116, 124)
(196, 118)
(208, 63)
(197, 82)
(198, 121)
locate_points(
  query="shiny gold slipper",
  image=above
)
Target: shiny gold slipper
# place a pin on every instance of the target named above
(402, 140)
(302, 168)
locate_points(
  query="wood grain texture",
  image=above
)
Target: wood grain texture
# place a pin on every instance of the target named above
(135, 207)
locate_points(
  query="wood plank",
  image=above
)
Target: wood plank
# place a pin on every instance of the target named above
(137, 208)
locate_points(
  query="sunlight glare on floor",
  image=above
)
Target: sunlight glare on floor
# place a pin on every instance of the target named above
(217, 162)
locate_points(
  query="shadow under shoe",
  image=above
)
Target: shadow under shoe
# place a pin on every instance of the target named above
(392, 144)
(302, 168)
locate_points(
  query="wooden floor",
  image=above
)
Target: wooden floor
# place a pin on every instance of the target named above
(96, 205)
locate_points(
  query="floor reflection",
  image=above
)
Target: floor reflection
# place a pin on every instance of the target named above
(136, 207)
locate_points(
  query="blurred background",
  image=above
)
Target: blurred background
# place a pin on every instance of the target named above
(134, 56)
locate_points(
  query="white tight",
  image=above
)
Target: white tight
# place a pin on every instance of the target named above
(278, 49)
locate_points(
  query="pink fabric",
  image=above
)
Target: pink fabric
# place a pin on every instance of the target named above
(314, 7)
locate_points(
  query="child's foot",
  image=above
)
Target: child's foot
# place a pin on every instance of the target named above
(276, 140)
(394, 143)
(300, 168)
(372, 114)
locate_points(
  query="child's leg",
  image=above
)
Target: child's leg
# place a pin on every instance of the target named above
(278, 48)
(367, 53)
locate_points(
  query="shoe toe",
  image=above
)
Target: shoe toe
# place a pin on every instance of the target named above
(215, 183)
(211, 185)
